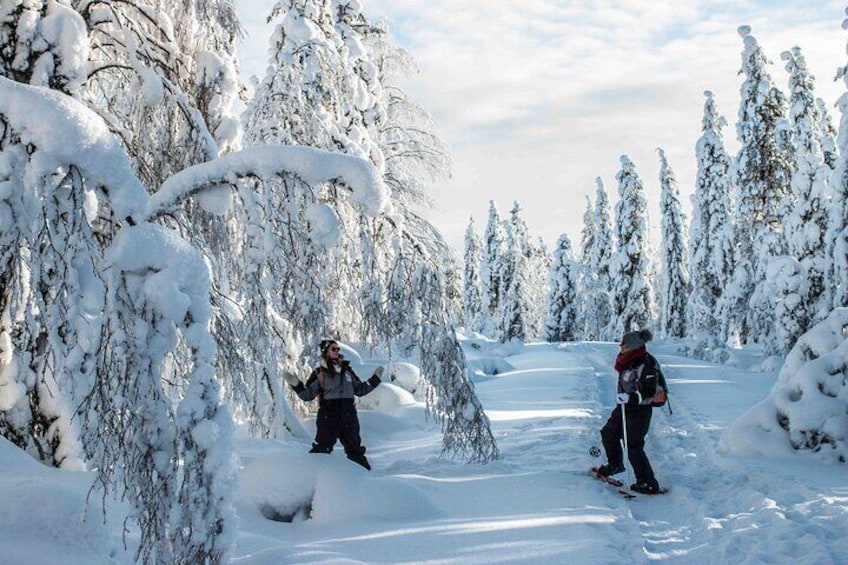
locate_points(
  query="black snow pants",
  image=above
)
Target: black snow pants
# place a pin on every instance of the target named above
(337, 420)
(638, 423)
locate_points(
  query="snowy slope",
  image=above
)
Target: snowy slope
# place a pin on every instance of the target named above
(534, 505)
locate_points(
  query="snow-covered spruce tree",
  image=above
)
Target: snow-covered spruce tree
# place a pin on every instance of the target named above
(516, 307)
(601, 296)
(472, 296)
(805, 410)
(494, 243)
(837, 231)
(762, 180)
(515, 300)
(540, 263)
(561, 323)
(47, 346)
(604, 234)
(453, 287)
(806, 223)
(588, 280)
(790, 283)
(674, 282)
(629, 267)
(710, 239)
(466, 431)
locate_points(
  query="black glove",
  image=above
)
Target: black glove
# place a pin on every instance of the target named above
(291, 379)
(375, 378)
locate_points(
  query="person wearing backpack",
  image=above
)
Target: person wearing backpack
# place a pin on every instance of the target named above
(335, 385)
(639, 390)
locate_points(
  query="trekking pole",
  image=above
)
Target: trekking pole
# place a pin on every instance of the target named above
(626, 458)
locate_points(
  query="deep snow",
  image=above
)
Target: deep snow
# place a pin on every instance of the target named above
(535, 505)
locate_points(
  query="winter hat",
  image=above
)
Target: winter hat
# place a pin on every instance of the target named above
(325, 345)
(634, 340)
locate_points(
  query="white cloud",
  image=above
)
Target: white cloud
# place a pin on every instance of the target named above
(538, 97)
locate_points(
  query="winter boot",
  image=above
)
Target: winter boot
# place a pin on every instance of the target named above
(359, 458)
(608, 470)
(643, 487)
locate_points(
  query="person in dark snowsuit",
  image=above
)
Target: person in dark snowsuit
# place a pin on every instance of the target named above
(638, 375)
(334, 384)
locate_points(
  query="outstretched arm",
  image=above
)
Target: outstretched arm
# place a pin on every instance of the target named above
(306, 392)
(362, 388)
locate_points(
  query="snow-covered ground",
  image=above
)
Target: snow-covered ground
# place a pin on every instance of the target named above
(535, 505)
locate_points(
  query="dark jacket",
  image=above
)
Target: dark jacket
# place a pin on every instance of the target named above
(639, 379)
(338, 384)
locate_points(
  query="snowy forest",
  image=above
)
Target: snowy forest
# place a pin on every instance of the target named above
(164, 260)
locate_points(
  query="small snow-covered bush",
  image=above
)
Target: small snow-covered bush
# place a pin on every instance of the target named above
(408, 377)
(806, 408)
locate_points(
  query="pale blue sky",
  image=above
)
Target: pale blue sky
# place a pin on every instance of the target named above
(538, 97)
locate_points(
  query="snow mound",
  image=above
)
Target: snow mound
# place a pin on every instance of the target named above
(293, 485)
(492, 365)
(806, 408)
(41, 503)
(388, 399)
(408, 377)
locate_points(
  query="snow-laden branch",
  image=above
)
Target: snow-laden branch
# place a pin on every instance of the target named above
(312, 165)
(68, 133)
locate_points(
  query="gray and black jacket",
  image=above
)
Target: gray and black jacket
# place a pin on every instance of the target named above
(339, 383)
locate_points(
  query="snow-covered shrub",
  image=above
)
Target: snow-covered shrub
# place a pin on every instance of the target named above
(408, 377)
(806, 408)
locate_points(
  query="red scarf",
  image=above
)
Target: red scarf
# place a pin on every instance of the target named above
(625, 358)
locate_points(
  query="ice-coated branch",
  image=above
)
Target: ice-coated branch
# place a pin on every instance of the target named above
(312, 165)
(71, 134)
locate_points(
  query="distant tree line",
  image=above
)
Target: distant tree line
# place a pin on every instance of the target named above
(764, 257)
